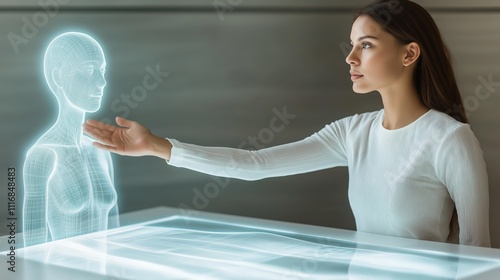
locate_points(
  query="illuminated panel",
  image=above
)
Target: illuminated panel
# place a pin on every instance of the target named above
(68, 183)
(174, 248)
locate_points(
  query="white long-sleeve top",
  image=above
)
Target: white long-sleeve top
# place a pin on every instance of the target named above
(403, 182)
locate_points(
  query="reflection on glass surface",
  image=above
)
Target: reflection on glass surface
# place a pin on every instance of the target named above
(205, 249)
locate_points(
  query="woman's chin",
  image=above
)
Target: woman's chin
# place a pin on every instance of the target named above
(361, 90)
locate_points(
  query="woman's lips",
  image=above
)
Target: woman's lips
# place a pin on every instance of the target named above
(355, 75)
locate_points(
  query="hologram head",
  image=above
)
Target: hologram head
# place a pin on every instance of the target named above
(74, 66)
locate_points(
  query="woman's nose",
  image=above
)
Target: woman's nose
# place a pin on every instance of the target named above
(351, 58)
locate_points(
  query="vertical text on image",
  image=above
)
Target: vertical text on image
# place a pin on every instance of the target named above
(11, 218)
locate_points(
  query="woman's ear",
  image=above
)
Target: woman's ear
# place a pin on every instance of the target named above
(412, 54)
(56, 77)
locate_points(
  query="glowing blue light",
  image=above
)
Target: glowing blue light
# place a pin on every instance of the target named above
(68, 184)
(170, 248)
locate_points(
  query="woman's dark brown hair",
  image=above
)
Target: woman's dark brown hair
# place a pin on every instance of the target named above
(434, 77)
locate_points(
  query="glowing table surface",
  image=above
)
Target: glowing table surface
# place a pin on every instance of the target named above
(162, 243)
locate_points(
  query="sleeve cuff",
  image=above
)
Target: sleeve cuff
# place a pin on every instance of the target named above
(174, 151)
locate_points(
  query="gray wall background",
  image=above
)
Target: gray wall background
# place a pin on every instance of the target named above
(227, 74)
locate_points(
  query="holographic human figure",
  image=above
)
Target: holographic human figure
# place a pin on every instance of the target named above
(69, 186)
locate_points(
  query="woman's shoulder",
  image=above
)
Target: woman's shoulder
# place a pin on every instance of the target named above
(445, 131)
(354, 122)
(443, 124)
(351, 126)
(360, 120)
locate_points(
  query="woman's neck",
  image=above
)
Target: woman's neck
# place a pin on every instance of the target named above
(401, 108)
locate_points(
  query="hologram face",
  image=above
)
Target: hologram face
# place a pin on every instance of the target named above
(74, 66)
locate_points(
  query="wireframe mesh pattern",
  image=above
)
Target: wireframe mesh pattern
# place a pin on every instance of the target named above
(69, 186)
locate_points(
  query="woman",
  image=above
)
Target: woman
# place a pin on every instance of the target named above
(69, 185)
(416, 169)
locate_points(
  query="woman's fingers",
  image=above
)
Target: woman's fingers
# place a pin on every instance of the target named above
(100, 125)
(98, 134)
(123, 122)
(92, 131)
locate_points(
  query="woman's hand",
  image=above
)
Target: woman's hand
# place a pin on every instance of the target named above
(130, 139)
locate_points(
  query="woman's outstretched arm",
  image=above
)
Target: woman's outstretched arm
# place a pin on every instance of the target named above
(321, 150)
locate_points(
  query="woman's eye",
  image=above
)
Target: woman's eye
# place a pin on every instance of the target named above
(366, 45)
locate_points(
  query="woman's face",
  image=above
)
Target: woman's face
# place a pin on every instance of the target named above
(376, 59)
(84, 82)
